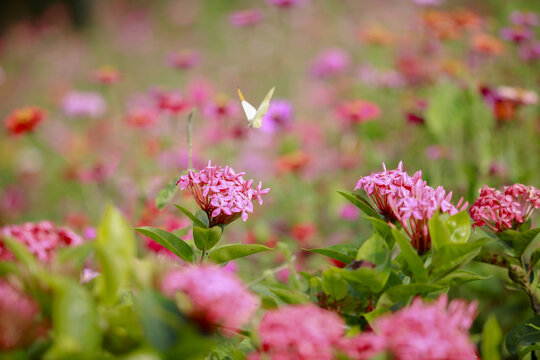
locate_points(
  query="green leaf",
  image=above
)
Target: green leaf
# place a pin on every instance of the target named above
(443, 115)
(528, 349)
(206, 238)
(518, 241)
(439, 232)
(230, 252)
(8, 267)
(341, 252)
(523, 335)
(333, 284)
(491, 339)
(169, 241)
(451, 256)
(446, 229)
(75, 321)
(361, 203)
(411, 257)
(460, 277)
(290, 296)
(459, 226)
(374, 250)
(115, 248)
(21, 253)
(195, 219)
(383, 229)
(166, 194)
(76, 255)
(400, 293)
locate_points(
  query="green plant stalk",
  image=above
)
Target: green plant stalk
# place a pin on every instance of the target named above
(189, 138)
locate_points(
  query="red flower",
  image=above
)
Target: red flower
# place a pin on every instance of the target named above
(24, 120)
(106, 75)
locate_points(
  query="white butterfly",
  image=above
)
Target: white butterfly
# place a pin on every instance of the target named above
(254, 116)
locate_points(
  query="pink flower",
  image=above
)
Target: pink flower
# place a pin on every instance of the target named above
(358, 111)
(184, 59)
(222, 194)
(245, 18)
(330, 63)
(42, 239)
(217, 297)
(507, 209)
(414, 209)
(427, 331)
(84, 104)
(221, 108)
(106, 75)
(349, 212)
(286, 4)
(524, 18)
(299, 332)
(142, 117)
(380, 186)
(363, 346)
(516, 34)
(278, 117)
(18, 312)
(173, 103)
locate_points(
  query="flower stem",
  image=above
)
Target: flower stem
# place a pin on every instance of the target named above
(189, 141)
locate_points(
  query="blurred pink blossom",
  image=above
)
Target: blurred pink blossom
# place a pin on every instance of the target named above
(524, 18)
(218, 298)
(245, 18)
(330, 63)
(84, 104)
(184, 59)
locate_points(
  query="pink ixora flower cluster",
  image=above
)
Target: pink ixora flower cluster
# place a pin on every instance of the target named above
(409, 200)
(217, 297)
(18, 326)
(42, 239)
(507, 209)
(299, 332)
(421, 331)
(221, 193)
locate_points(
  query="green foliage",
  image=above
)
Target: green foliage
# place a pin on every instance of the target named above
(166, 194)
(360, 202)
(206, 238)
(333, 284)
(345, 253)
(524, 334)
(414, 261)
(196, 220)
(491, 339)
(226, 253)
(169, 241)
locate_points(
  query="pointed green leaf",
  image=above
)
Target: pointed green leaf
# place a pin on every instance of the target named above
(451, 256)
(169, 241)
(206, 238)
(165, 195)
(341, 252)
(195, 219)
(523, 335)
(491, 339)
(20, 252)
(333, 284)
(290, 296)
(518, 241)
(460, 277)
(411, 257)
(230, 252)
(361, 203)
(400, 293)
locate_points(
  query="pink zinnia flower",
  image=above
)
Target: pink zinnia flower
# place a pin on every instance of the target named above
(299, 332)
(524, 18)
(173, 103)
(427, 331)
(222, 193)
(221, 108)
(245, 18)
(184, 59)
(503, 210)
(516, 34)
(84, 104)
(278, 117)
(330, 63)
(358, 111)
(142, 117)
(18, 312)
(216, 295)
(286, 4)
(42, 239)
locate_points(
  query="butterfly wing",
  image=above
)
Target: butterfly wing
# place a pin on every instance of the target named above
(262, 110)
(249, 110)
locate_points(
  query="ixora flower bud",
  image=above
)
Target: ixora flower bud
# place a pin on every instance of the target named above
(24, 120)
(216, 297)
(42, 239)
(498, 211)
(222, 193)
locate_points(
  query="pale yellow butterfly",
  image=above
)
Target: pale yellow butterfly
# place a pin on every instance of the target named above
(254, 116)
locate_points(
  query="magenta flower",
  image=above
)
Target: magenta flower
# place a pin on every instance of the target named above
(18, 312)
(330, 63)
(278, 117)
(220, 108)
(222, 194)
(516, 34)
(414, 209)
(142, 117)
(84, 104)
(184, 59)
(358, 111)
(427, 331)
(502, 210)
(245, 18)
(42, 239)
(286, 4)
(524, 18)
(217, 297)
(529, 51)
(379, 187)
(299, 332)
